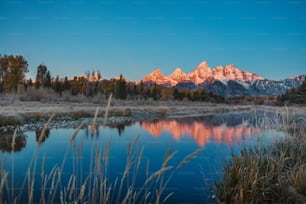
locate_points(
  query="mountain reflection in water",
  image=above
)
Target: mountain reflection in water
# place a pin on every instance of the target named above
(228, 129)
(221, 135)
(200, 131)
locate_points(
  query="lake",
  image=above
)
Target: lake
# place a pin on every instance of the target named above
(217, 137)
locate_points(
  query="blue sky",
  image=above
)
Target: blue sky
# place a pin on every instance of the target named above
(135, 37)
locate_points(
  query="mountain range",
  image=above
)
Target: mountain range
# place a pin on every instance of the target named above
(225, 81)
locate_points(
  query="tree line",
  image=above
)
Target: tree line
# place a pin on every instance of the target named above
(294, 96)
(13, 69)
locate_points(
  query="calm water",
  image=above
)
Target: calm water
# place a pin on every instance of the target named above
(218, 136)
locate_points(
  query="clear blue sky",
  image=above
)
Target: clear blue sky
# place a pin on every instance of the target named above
(135, 37)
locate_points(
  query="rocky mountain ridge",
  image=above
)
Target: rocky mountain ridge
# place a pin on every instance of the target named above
(226, 81)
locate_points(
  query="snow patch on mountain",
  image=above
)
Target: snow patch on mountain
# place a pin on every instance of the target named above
(224, 80)
(201, 74)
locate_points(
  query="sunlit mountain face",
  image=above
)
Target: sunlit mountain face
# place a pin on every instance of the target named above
(201, 74)
(201, 132)
(224, 81)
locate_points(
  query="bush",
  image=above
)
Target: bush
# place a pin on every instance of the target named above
(273, 174)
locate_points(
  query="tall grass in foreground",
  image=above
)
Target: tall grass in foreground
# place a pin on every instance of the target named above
(268, 174)
(97, 186)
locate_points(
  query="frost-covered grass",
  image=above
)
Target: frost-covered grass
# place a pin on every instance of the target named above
(268, 174)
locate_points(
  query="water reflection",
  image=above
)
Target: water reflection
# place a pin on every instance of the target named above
(120, 129)
(92, 130)
(6, 144)
(200, 131)
(42, 136)
(121, 126)
(226, 129)
(186, 181)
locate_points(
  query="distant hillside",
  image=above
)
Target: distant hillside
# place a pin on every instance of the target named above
(294, 96)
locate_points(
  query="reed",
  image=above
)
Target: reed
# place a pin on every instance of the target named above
(189, 157)
(107, 109)
(267, 174)
(4, 175)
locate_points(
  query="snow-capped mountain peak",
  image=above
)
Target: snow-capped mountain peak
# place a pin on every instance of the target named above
(200, 73)
(178, 71)
(202, 65)
(156, 76)
(230, 72)
(178, 76)
(203, 74)
(224, 80)
(230, 67)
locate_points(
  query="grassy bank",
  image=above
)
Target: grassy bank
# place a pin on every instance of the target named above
(269, 174)
(18, 113)
(22, 112)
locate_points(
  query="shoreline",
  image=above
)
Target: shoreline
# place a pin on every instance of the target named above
(23, 114)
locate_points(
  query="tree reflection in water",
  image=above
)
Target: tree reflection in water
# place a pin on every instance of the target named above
(40, 136)
(6, 139)
(120, 128)
(93, 129)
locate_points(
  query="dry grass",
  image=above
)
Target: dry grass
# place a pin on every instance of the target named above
(268, 174)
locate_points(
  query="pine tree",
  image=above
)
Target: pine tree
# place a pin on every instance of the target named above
(295, 95)
(47, 80)
(66, 84)
(121, 88)
(41, 75)
(30, 82)
(155, 92)
(58, 87)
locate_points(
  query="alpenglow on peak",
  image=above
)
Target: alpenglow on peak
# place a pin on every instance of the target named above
(200, 74)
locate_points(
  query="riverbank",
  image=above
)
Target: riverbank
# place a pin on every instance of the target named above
(70, 114)
(22, 112)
